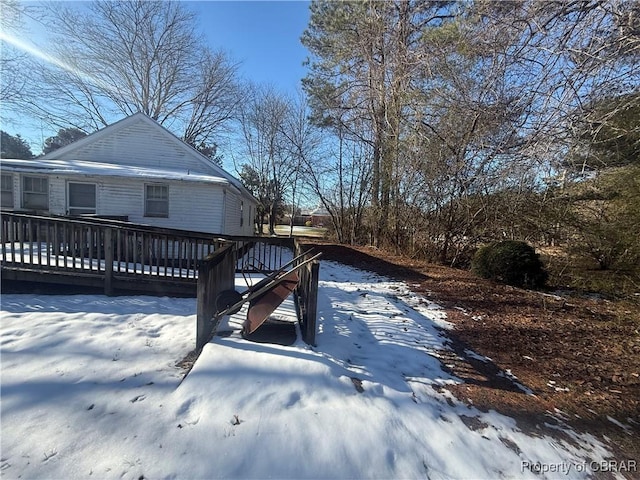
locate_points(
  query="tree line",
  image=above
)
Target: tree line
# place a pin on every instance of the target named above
(428, 127)
(14, 146)
(457, 123)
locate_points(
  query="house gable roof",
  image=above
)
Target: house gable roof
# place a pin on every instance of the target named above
(140, 141)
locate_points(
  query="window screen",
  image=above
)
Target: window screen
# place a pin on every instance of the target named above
(82, 198)
(156, 201)
(7, 190)
(35, 193)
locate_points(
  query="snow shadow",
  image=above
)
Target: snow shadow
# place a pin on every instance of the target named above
(379, 339)
(77, 395)
(274, 331)
(380, 335)
(399, 336)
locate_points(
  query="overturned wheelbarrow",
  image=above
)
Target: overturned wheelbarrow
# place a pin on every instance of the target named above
(263, 297)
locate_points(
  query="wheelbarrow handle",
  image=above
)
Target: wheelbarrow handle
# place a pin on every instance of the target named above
(265, 287)
(274, 275)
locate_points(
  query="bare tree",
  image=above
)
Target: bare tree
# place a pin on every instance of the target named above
(117, 58)
(347, 199)
(262, 117)
(579, 62)
(463, 141)
(361, 71)
(572, 57)
(466, 107)
(339, 175)
(12, 83)
(302, 141)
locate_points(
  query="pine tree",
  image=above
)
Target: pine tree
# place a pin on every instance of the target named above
(14, 147)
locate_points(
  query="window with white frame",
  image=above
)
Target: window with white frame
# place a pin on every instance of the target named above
(81, 198)
(7, 190)
(35, 193)
(156, 200)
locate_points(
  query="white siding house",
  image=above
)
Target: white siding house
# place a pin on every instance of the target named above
(137, 169)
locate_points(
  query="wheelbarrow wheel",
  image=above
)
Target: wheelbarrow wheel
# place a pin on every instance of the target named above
(227, 299)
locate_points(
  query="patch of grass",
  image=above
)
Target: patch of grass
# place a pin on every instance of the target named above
(298, 231)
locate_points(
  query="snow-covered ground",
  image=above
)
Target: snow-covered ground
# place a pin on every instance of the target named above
(90, 390)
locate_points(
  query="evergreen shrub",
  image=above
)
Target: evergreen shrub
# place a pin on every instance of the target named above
(512, 262)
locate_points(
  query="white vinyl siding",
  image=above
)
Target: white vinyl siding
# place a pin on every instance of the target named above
(81, 198)
(141, 145)
(126, 197)
(196, 206)
(232, 211)
(35, 193)
(7, 190)
(121, 197)
(156, 200)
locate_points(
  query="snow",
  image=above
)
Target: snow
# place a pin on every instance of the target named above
(626, 428)
(80, 167)
(90, 390)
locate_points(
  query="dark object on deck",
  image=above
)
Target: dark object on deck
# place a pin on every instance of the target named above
(274, 331)
(227, 299)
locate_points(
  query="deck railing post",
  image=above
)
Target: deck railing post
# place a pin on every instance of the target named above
(312, 304)
(216, 273)
(108, 261)
(306, 296)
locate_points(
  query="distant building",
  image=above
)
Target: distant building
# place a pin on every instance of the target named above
(318, 217)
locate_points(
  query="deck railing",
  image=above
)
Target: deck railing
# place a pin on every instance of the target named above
(215, 275)
(111, 250)
(108, 250)
(122, 256)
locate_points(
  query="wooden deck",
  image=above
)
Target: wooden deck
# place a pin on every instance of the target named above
(121, 257)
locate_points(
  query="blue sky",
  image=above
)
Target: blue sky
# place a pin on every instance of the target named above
(263, 36)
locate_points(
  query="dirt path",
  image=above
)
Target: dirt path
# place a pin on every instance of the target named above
(579, 356)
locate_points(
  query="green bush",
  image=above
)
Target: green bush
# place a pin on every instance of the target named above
(511, 262)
